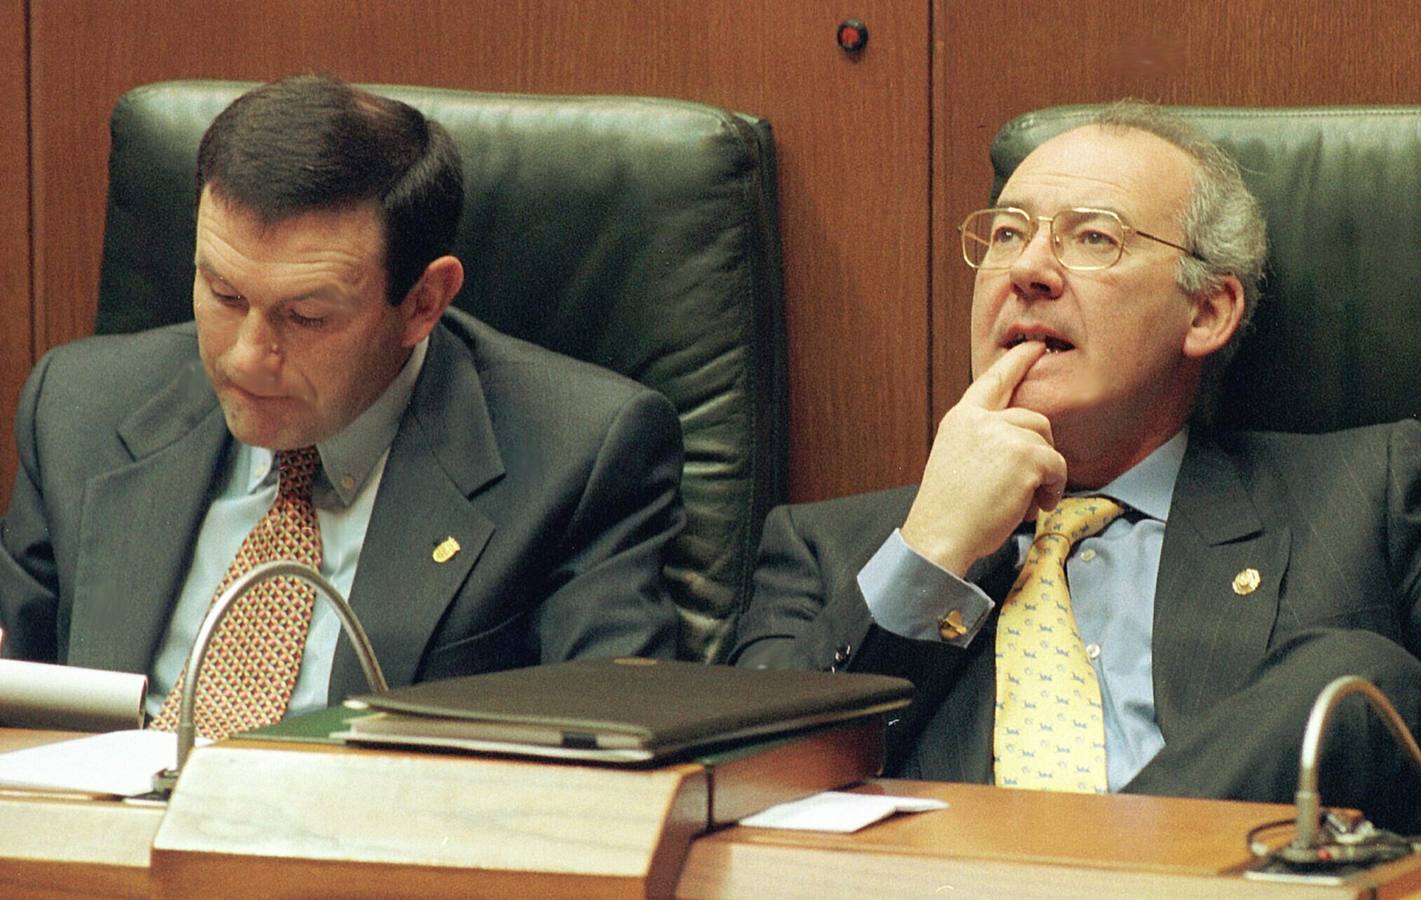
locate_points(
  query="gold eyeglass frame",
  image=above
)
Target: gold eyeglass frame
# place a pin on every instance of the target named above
(1126, 231)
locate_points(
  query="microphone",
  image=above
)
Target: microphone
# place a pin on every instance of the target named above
(164, 781)
(1321, 843)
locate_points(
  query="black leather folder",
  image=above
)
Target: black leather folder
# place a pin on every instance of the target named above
(629, 710)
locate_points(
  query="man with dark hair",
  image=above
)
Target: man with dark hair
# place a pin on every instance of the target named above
(1089, 592)
(483, 503)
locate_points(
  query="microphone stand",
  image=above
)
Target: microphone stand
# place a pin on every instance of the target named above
(164, 781)
(1304, 847)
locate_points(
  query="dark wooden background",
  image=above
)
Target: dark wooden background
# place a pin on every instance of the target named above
(880, 155)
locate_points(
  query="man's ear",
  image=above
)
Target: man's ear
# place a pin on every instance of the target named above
(430, 296)
(1217, 314)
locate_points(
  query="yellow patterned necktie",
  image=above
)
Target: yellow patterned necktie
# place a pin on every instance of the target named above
(252, 661)
(1049, 732)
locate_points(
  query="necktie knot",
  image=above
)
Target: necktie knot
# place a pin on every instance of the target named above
(296, 472)
(1074, 519)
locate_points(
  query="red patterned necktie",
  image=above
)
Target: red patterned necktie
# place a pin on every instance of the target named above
(1049, 732)
(251, 663)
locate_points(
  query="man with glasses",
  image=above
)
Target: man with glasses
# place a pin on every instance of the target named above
(1210, 584)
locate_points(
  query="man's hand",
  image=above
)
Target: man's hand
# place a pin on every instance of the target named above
(992, 465)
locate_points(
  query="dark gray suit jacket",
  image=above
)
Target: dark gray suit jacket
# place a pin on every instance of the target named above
(1331, 522)
(559, 481)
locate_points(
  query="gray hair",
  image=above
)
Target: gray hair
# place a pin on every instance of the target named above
(1222, 221)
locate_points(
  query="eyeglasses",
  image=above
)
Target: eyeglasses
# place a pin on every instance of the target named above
(1082, 239)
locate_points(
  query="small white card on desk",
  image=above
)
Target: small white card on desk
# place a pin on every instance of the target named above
(118, 762)
(838, 811)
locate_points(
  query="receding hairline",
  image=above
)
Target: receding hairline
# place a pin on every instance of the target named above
(1191, 167)
(1123, 130)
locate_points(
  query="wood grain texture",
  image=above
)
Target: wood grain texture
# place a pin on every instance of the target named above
(417, 822)
(880, 155)
(719, 869)
(315, 820)
(16, 349)
(998, 842)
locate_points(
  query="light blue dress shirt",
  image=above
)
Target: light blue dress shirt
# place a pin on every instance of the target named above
(352, 464)
(1112, 582)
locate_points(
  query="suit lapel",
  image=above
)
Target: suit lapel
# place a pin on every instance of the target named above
(443, 453)
(128, 572)
(1211, 622)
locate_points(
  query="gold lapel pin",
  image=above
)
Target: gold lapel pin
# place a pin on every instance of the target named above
(449, 548)
(1247, 581)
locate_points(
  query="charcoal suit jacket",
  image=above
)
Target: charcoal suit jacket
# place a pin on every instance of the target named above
(558, 480)
(1332, 523)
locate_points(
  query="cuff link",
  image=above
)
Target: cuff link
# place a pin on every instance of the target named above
(950, 626)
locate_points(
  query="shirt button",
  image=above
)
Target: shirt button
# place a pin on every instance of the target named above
(1087, 555)
(347, 482)
(1092, 651)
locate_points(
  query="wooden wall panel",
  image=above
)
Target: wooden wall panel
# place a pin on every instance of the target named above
(880, 155)
(16, 353)
(851, 134)
(997, 60)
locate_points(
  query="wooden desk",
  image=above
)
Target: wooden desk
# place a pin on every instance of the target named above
(996, 842)
(54, 845)
(988, 842)
(252, 818)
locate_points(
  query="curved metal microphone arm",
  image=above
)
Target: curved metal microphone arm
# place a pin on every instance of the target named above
(187, 731)
(1308, 801)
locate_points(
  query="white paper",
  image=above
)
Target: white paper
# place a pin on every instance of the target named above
(121, 763)
(838, 811)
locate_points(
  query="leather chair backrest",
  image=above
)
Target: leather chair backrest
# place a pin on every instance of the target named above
(640, 234)
(1334, 339)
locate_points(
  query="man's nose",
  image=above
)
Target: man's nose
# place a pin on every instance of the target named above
(258, 349)
(1037, 273)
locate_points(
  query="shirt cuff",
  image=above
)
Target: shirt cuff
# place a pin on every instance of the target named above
(910, 596)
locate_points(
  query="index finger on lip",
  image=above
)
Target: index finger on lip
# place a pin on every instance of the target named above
(993, 388)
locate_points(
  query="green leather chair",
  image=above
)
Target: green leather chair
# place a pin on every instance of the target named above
(637, 233)
(1334, 340)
